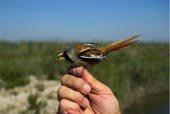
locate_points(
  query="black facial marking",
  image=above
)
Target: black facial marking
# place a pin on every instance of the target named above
(67, 57)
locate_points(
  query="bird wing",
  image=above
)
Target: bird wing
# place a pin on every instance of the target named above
(92, 54)
(90, 44)
(80, 48)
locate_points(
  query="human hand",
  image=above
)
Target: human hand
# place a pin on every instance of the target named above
(81, 93)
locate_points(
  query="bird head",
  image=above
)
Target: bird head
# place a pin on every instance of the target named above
(68, 55)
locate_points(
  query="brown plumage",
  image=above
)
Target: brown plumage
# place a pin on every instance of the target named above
(88, 53)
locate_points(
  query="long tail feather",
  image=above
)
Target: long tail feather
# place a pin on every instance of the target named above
(119, 44)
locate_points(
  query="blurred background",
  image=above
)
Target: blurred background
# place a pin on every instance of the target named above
(33, 32)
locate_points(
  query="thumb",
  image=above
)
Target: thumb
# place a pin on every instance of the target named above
(96, 85)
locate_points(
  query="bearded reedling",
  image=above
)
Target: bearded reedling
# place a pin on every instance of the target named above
(86, 54)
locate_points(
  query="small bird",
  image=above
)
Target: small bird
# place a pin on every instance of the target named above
(86, 54)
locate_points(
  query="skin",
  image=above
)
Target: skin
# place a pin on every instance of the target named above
(81, 93)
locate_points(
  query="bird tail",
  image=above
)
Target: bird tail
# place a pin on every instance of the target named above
(119, 44)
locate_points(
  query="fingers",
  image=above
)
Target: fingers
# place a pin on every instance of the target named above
(70, 111)
(87, 111)
(65, 104)
(76, 83)
(96, 86)
(72, 95)
(72, 91)
(83, 73)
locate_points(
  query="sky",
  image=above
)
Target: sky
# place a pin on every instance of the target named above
(84, 20)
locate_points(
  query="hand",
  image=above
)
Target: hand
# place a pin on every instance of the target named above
(81, 93)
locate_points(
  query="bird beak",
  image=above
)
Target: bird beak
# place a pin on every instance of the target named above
(61, 57)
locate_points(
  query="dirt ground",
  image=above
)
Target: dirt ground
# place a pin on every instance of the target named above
(16, 100)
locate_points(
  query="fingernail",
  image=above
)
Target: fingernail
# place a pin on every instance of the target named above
(86, 88)
(65, 112)
(78, 71)
(85, 102)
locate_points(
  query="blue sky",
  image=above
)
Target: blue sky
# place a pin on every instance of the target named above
(85, 20)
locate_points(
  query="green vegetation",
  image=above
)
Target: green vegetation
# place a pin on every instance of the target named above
(18, 60)
(12, 75)
(137, 71)
(40, 86)
(35, 105)
(131, 73)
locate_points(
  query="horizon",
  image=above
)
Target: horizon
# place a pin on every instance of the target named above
(89, 20)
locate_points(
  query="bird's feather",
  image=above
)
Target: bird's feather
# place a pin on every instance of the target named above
(119, 44)
(90, 44)
(94, 57)
(93, 54)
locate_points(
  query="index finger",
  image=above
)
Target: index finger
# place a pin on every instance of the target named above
(76, 83)
(96, 85)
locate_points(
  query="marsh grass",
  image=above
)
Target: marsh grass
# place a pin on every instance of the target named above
(35, 105)
(135, 71)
